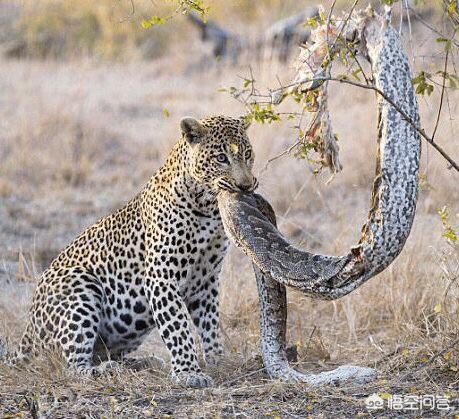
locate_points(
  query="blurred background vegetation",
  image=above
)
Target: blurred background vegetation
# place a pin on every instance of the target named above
(112, 29)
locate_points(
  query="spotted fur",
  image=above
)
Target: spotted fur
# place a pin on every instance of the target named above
(153, 263)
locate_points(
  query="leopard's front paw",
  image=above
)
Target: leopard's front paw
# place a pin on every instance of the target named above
(192, 379)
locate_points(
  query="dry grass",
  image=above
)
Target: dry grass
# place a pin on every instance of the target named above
(80, 138)
(112, 29)
(107, 30)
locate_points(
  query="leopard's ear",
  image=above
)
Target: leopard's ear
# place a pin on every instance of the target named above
(246, 121)
(192, 130)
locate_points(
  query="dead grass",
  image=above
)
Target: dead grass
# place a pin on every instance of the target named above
(106, 30)
(80, 138)
(112, 30)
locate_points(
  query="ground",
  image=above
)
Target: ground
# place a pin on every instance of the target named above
(80, 137)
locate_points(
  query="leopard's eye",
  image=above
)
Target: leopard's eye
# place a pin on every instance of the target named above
(221, 158)
(248, 154)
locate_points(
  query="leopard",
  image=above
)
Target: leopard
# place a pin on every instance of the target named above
(153, 264)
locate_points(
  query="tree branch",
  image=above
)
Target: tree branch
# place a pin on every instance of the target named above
(442, 95)
(430, 140)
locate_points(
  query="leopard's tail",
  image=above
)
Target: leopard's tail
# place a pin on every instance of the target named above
(20, 355)
(3, 351)
(7, 357)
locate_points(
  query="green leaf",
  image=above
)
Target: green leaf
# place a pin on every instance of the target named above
(452, 78)
(422, 84)
(443, 213)
(154, 20)
(448, 43)
(355, 74)
(453, 81)
(315, 21)
(145, 24)
(311, 21)
(452, 7)
(263, 113)
(322, 16)
(448, 232)
(166, 113)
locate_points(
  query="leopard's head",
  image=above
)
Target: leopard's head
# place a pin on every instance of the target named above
(221, 156)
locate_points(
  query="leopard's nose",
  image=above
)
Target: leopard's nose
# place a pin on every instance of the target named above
(248, 186)
(245, 187)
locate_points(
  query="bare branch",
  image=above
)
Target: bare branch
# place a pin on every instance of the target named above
(403, 114)
(427, 25)
(442, 95)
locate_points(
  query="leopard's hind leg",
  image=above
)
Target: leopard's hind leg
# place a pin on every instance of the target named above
(71, 316)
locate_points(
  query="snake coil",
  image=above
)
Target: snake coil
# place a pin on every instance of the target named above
(250, 221)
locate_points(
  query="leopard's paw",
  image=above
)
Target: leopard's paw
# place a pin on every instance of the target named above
(192, 379)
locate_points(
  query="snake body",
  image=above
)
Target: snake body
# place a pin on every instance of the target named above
(250, 221)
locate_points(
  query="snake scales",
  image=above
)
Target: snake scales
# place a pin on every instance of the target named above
(250, 221)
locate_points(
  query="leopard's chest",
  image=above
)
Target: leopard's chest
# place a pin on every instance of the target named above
(180, 235)
(175, 225)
